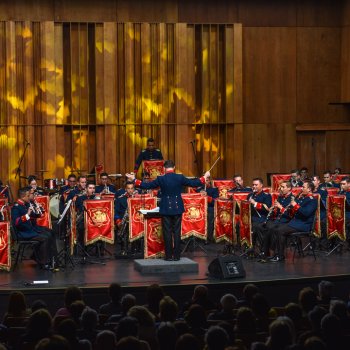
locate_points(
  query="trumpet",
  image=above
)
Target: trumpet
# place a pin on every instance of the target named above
(3, 190)
(106, 189)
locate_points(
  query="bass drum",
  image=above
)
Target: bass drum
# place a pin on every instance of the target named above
(55, 205)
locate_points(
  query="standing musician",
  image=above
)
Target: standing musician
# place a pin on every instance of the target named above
(239, 185)
(278, 214)
(302, 212)
(4, 191)
(121, 215)
(149, 153)
(212, 193)
(295, 178)
(328, 182)
(33, 184)
(21, 214)
(171, 205)
(104, 186)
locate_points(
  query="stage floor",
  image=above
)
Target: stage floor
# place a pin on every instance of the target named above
(123, 272)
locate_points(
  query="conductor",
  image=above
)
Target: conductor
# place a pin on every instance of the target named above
(171, 205)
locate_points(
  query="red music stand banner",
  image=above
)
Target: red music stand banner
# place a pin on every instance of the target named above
(240, 196)
(277, 179)
(107, 196)
(317, 230)
(332, 191)
(5, 213)
(245, 228)
(136, 219)
(194, 219)
(336, 217)
(98, 221)
(224, 228)
(99, 168)
(153, 167)
(45, 219)
(5, 246)
(296, 191)
(339, 177)
(154, 242)
(223, 186)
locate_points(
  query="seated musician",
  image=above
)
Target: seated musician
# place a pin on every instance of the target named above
(335, 174)
(212, 193)
(295, 178)
(303, 211)
(34, 185)
(278, 214)
(121, 215)
(323, 203)
(238, 180)
(104, 186)
(4, 191)
(79, 199)
(149, 153)
(21, 214)
(260, 204)
(65, 190)
(328, 182)
(304, 174)
(345, 190)
(79, 189)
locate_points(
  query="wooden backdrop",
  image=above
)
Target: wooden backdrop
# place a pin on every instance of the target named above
(87, 93)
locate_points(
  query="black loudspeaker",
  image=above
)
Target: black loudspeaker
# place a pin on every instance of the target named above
(225, 267)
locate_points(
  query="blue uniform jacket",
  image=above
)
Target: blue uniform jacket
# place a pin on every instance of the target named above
(285, 202)
(304, 213)
(329, 184)
(240, 189)
(24, 226)
(171, 187)
(79, 202)
(323, 202)
(264, 203)
(347, 203)
(145, 154)
(120, 206)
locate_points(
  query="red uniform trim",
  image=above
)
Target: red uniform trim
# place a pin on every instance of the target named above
(258, 206)
(137, 182)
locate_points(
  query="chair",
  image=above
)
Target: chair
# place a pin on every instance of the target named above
(22, 245)
(296, 240)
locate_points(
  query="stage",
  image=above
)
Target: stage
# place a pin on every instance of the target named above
(280, 282)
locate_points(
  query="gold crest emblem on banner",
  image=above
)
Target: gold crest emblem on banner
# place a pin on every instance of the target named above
(336, 211)
(2, 239)
(99, 217)
(156, 234)
(225, 217)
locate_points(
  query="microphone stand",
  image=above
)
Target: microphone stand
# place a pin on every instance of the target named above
(18, 170)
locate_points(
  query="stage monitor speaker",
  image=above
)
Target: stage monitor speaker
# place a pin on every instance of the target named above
(225, 267)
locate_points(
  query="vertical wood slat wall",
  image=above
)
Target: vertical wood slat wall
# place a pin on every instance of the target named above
(89, 93)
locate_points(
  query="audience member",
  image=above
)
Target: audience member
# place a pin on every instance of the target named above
(167, 336)
(71, 294)
(89, 321)
(216, 338)
(16, 308)
(187, 342)
(168, 310)
(113, 307)
(228, 302)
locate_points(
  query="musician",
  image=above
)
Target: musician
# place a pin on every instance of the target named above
(328, 182)
(278, 213)
(212, 194)
(345, 190)
(33, 184)
(104, 186)
(238, 180)
(335, 174)
(80, 189)
(171, 205)
(302, 212)
(21, 220)
(304, 174)
(65, 190)
(260, 202)
(4, 191)
(323, 197)
(149, 153)
(120, 214)
(295, 178)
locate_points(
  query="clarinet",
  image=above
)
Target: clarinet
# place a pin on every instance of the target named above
(124, 224)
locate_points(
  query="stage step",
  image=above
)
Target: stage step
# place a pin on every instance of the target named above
(156, 266)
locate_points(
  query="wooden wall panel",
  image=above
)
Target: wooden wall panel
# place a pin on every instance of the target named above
(345, 64)
(318, 79)
(338, 150)
(269, 56)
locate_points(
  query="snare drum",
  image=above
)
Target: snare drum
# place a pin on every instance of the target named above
(51, 184)
(55, 205)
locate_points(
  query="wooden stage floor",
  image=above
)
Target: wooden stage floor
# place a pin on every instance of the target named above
(274, 279)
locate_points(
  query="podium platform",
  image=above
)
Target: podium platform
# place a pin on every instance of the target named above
(159, 266)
